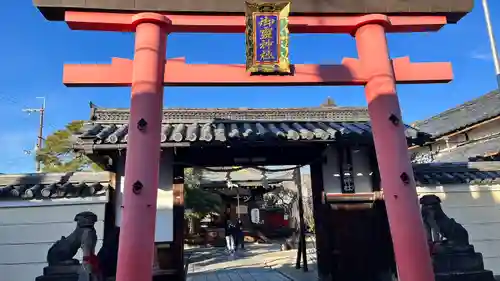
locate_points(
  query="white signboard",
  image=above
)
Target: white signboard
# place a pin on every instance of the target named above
(255, 215)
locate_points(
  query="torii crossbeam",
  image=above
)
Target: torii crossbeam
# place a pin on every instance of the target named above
(179, 73)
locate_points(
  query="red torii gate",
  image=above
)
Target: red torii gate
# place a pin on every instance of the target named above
(149, 72)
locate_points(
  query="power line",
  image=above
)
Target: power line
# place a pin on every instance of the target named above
(491, 37)
(39, 142)
(12, 100)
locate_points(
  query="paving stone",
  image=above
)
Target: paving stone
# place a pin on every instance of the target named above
(250, 265)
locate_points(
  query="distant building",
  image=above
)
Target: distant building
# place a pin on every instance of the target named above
(468, 132)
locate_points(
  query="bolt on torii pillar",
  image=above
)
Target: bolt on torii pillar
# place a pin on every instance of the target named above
(374, 69)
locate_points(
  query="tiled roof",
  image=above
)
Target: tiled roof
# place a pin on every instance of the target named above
(477, 173)
(205, 115)
(472, 112)
(108, 128)
(54, 185)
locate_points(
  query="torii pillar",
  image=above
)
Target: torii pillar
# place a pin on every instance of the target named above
(396, 172)
(136, 247)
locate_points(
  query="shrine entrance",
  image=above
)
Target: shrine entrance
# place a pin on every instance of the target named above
(267, 53)
(352, 234)
(361, 243)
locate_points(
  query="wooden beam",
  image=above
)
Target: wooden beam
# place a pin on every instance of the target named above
(329, 198)
(322, 214)
(180, 73)
(122, 22)
(274, 155)
(178, 220)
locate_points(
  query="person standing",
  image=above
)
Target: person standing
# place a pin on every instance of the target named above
(239, 239)
(229, 234)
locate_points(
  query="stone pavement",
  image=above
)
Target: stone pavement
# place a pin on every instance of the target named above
(285, 261)
(239, 274)
(256, 263)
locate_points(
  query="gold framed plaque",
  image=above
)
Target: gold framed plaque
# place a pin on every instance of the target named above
(267, 37)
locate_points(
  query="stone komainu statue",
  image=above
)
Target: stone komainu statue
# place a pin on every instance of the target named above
(61, 262)
(84, 237)
(453, 257)
(441, 229)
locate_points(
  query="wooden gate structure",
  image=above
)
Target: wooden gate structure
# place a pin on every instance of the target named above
(148, 73)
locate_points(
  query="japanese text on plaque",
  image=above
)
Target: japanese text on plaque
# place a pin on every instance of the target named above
(267, 37)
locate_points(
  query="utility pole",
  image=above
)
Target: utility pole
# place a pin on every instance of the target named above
(39, 142)
(491, 36)
(302, 249)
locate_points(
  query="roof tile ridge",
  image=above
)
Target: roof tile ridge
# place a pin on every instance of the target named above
(457, 107)
(338, 108)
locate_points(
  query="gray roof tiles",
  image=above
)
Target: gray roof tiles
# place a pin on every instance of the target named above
(54, 185)
(110, 126)
(472, 112)
(48, 186)
(475, 173)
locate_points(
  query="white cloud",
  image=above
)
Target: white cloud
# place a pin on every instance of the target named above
(482, 56)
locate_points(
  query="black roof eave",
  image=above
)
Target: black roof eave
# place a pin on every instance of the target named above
(52, 13)
(90, 147)
(479, 110)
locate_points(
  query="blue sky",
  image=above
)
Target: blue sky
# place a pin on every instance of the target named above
(34, 51)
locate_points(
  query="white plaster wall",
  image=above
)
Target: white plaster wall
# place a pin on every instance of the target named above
(480, 132)
(477, 208)
(484, 130)
(331, 176)
(165, 202)
(29, 228)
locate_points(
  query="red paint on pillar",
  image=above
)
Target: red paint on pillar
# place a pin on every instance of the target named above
(137, 233)
(407, 230)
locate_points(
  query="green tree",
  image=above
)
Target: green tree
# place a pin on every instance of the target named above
(57, 154)
(198, 202)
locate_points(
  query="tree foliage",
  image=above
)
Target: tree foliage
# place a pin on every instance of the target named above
(200, 202)
(57, 153)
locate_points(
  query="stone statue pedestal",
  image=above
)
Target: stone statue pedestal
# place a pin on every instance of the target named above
(464, 264)
(63, 272)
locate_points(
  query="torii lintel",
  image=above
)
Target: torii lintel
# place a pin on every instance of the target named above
(180, 73)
